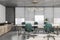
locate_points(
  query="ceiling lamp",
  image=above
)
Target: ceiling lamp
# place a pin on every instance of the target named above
(34, 1)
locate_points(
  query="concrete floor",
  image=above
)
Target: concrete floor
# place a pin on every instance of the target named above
(9, 36)
(13, 35)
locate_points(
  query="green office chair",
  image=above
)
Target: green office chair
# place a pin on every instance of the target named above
(28, 27)
(48, 27)
(35, 23)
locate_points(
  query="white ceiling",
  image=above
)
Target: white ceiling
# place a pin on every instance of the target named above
(29, 3)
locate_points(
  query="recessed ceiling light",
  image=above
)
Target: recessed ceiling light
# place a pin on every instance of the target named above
(47, 0)
(34, 1)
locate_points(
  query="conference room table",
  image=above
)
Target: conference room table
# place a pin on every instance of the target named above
(56, 26)
(41, 36)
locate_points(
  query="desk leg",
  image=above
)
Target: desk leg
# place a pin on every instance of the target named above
(57, 30)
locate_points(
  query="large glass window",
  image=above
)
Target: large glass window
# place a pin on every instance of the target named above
(49, 14)
(2, 14)
(39, 19)
(19, 15)
(19, 20)
(29, 14)
(39, 15)
(57, 15)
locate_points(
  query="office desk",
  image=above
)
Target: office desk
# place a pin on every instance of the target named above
(22, 26)
(41, 27)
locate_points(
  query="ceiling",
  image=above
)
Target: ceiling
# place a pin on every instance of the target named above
(49, 3)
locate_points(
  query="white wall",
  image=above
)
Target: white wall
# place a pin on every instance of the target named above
(2, 13)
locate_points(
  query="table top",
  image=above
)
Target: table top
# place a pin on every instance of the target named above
(41, 26)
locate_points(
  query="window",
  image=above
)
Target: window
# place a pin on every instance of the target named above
(19, 20)
(39, 19)
(19, 15)
(56, 20)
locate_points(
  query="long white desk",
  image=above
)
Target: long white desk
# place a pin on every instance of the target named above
(41, 26)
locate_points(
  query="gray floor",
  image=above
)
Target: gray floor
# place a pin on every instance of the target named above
(8, 36)
(13, 35)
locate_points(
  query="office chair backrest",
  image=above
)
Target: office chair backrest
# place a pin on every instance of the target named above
(23, 23)
(48, 28)
(35, 23)
(28, 27)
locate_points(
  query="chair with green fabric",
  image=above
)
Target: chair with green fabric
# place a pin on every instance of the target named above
(28, 27)
(48, 27)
